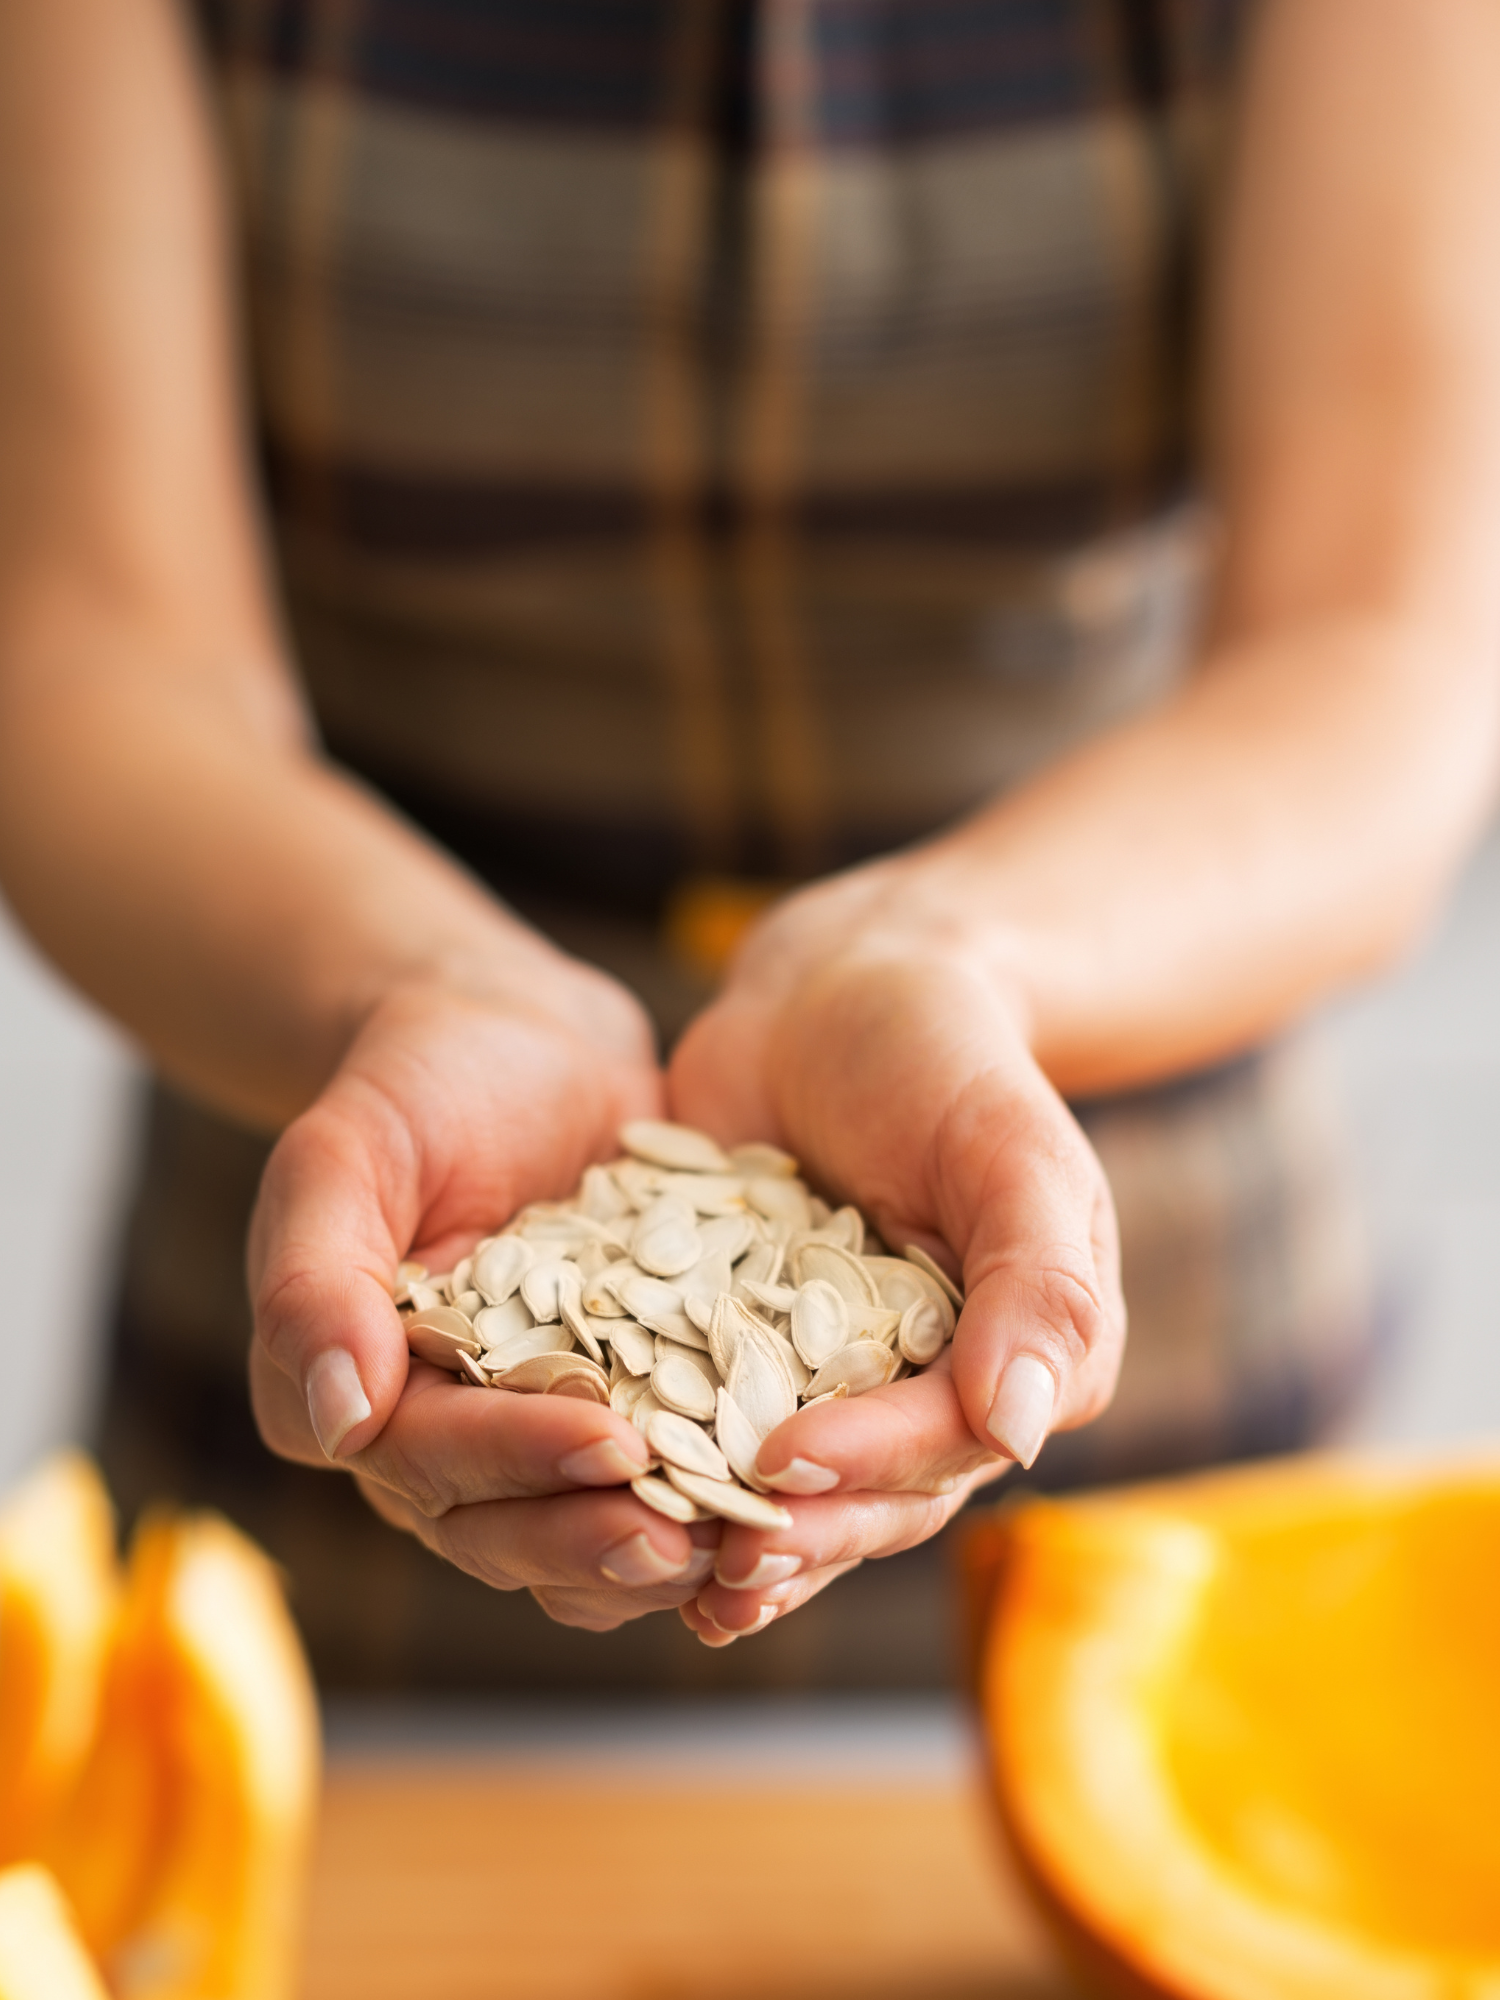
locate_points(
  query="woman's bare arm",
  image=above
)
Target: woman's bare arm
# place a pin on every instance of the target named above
(1185, 886)
(271, 933)
(167, 830)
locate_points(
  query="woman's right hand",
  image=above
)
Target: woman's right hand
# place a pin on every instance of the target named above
(447, 1114)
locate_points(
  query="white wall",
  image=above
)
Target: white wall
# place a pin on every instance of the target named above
(1421, 1058)
(67, 1097)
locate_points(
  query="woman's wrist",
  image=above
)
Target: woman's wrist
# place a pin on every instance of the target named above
(516, 972)
(932, 904)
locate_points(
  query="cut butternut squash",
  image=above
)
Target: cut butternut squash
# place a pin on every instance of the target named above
(106, 1848)
(1245, 1729)
(206, 1769)
(59, 1590)
(41, 1954)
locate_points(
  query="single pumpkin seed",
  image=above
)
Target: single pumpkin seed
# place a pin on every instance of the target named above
(633, 1347)
(915, 1254)
(666, 1241)
(682, 1387)
(666, 1499)
(549, 1339)
(730, 1502)
(680, 1442)
(820, 1321)
(557, 1375)
(439, 1334)
(736, 1437)
(676, 1146)
(923, 1332)
(861, 1366)
(498, 1324)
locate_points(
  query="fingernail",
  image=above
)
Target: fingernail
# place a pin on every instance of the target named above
(768, 1569)
(716, 1638)
(762, 1617)
(700, 1566)
(637, 1560)
(603, 1463)
(1022, 1409)
(336, 1400)
(801, 1476)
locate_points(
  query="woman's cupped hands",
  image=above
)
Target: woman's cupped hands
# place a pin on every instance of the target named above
(867, 1039)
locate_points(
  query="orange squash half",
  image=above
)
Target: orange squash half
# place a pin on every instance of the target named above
(1245, 1729)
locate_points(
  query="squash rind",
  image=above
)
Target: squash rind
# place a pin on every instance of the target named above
(1096, 1614)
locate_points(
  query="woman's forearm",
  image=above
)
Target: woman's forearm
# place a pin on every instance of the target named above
(167, 831)
(1186, 886)
(237, 903)
(1189, 884)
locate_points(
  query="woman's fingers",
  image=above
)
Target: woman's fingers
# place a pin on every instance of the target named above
(447, 1445)
(719, 1619)
(444, 1118)
(899, 1071)
(606, 1548)
(910, 1437)
(827, 1535)
(323, 1256)
(1042, 1332)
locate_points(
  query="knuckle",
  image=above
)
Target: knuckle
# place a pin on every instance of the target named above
(1071, 1307)
(284, 1300)
(389, 1464)
(453, 1537)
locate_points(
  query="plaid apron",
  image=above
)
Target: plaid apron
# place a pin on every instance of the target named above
(708, 443)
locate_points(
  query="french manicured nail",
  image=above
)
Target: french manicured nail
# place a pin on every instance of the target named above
(603, 1463)
(700, 1566)
(802, 1476)
(336, 1400)
(1021, 1413)
(636, 1560)
(762, 1617)
(768, 1569)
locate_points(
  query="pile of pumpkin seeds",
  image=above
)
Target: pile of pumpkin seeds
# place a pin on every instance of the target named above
(703, 1295)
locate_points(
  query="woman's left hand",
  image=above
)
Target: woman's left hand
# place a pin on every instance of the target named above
(868, 1036)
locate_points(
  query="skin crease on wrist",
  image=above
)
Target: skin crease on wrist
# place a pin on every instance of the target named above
(1174, 891)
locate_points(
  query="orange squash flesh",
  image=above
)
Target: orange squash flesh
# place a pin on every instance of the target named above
(105, 1849)
(41, 1955)
(59, 1592)
(186, 1850)
(1246, 1729)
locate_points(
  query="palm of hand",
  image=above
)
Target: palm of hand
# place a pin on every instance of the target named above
(902, 1084)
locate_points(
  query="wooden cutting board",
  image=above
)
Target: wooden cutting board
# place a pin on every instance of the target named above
(441, 1881)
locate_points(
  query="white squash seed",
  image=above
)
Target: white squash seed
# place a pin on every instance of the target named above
(704, 1297)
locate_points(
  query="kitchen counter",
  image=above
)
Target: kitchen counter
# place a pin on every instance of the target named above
(639, 1861)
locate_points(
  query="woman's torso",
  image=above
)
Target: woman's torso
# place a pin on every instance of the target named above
(718, 437)
(751, 432)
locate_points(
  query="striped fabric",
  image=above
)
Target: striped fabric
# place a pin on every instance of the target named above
(745, 429)
(716, 435)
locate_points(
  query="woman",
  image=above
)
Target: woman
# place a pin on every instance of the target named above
(740, 441)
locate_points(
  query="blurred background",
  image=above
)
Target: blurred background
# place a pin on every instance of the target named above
(1418, 1056)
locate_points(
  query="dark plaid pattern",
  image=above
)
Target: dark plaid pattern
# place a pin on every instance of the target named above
(747, 429)
(709, 433)
(885, 70)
